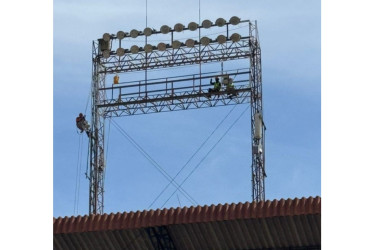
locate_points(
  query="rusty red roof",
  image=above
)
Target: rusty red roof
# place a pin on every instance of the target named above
(262, 222)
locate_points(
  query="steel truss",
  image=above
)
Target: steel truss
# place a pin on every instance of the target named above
(173, 94)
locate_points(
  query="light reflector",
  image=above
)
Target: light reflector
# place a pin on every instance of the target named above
(221, 39)
(120, 51)
(106, 37)
(190, 43)
(205, 41)
(235, 37)
(193, 26)
(207, 24)
(134, 33)
(234, 20)
(161, 46)
(164, 29)
(147, 31)
(134, 49)
(178, 27)
(148, 48)
(106, 53)
(176, 44)
(220, 22)
(121, 35)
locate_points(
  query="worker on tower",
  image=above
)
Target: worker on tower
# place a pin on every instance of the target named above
(216, 87)
(230, 89)
(82, 124)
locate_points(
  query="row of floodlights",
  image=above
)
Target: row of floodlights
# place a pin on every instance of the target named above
(190, 43)
(166, 29)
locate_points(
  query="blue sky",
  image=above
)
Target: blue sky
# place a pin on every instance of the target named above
(290, 35)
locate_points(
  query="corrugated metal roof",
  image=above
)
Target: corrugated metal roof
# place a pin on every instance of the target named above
(270, 224)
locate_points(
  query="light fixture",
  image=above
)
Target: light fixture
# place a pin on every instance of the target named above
(190, 43)
(235, 37)
(148, 48)
(178, 27)
(134, 33)
(121, 35)
(220, 22)
(103, 45)
(176, 44)
(221, 39)
(234, 20)
(164, 29)
(161, 46)
(207, 24)
(106, 37)
(106, 53)
(134, 49)
(147, 31)
(205, 41)
(193, 26)
(120, 51)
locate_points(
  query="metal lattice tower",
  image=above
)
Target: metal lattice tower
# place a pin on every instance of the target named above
(174, 93)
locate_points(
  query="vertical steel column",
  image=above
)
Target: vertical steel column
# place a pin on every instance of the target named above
(258, 144)
(96, 198)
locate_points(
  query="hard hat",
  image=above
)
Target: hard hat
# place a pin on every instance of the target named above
(80, 114)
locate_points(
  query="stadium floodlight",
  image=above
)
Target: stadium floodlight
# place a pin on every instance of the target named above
(205, 40)
(178, 27)
(134, 49)
(190, 43)
(221, 39)
(120, 51)
(148, 48)
(161, 46)
(234, 20)
(176, 44)
(106, 53)
(220, 22)
(106, 37)
(148, 31)
(207, 24)
(121, 35)
(164, 29)
(134, 33)
(193, 26)
(235, 37)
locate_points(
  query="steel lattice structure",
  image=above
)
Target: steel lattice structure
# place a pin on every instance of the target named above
(174, 93)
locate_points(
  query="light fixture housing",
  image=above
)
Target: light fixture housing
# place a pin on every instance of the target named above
(190, 43)
(134, 49)
(161, 46)
(164, 29)
(121, 35)
(120, 51)
(234, 20)
(134, 33)
(235, 37)
(106, 53)
(148, 48)
(221, 39)
(148, 31)
(106, 37)
(207, 24)
(205, 40)
(178, 27)
(176, 44)
(220, 22)
(193, 26)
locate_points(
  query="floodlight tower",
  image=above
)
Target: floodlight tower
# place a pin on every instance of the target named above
(173, 93)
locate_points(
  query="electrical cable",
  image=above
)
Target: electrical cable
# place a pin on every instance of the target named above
(193, 155)
(152, 161)
(77, 175)
(206, 155)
